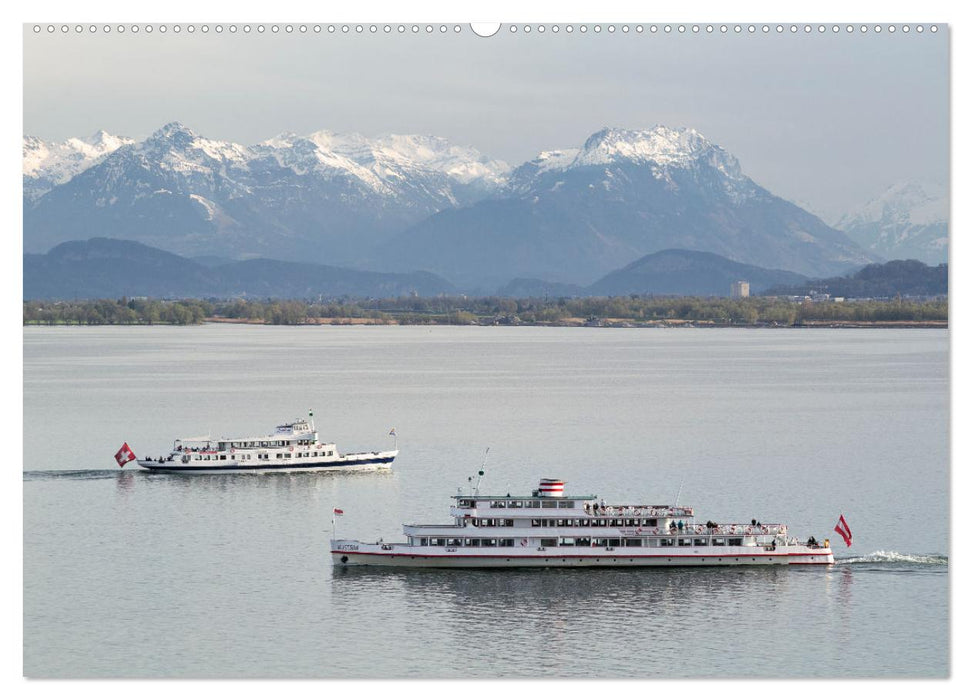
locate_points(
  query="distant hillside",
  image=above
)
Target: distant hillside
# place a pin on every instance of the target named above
(529, 288)
(109, 268)
(903, 277)
(687, 273)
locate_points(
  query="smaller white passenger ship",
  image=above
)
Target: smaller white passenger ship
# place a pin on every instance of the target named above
(548, 529)
(292, 447)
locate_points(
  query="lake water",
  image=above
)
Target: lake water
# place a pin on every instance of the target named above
(131, 574)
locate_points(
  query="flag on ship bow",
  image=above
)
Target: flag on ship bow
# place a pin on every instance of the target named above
(338, 511)
(124, 455)
(844, 530)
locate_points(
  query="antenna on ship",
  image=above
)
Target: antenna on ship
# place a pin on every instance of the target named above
(312, 427)
(481, 472)
(678, 497)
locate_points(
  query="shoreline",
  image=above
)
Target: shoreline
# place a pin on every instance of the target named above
(567, 323)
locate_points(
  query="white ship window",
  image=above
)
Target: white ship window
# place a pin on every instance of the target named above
(616, 522)
(536, 522)
(583, 541)
(613, 543)
(684, 542)
(498, 504)
(506, 543)
(330, 454)
(701, 542)
(566, 504)
(734, 541)
(549, 504)
(508, 522)
(547, 542)
(534, 504)
(515, 504)
(667, 542)
(423, 542)
(567, 542)
(453, 542)
(438, 542)
(632, 542)
(279, 455)
(717, 541)
(488, 543)
(600, 542)
(471, 542)
(222, 456)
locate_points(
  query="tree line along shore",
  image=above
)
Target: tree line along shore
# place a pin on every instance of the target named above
(625, 311)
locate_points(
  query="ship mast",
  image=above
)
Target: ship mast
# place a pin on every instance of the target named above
(481, 472)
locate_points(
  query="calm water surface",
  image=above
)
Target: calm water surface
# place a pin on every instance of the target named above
(131, 574)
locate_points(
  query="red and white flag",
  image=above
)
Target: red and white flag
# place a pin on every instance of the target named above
(124, 455)
(338, 511)
(844, 530)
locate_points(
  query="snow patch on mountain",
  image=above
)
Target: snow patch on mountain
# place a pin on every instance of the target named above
(907, 220)
(48, 164)
(661, 146)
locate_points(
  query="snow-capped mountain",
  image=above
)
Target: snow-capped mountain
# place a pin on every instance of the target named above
(574, 214)
(406, 202)
(324, 197)
(48, 164)
(908, 220)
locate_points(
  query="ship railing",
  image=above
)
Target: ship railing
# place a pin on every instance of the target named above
(642, 511)
(450, 526)
(743, 529)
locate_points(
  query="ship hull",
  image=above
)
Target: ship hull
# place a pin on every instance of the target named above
(361, 554)
(370, 462)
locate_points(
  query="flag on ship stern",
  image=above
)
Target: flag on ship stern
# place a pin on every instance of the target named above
(844, 530)
(124, 455)
(338, 511)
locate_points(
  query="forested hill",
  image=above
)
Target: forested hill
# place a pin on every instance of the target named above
(903, 277)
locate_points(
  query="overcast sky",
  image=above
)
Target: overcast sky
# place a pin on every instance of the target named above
(825, 120)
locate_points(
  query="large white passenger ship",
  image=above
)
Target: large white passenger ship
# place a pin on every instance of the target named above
(547, 529)
(292, 447)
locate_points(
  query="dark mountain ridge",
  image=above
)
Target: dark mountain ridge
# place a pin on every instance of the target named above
(106, 268)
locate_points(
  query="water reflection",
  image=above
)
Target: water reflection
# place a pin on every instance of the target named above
(577, 622)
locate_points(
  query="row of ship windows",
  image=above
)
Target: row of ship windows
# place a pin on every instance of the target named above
(586, 542)
(279, 455)
(546, 503)
(594, 522)
(567, 522)
(264, 443)
(464, 542)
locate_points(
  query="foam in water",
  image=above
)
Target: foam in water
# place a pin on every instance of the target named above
(882, 557)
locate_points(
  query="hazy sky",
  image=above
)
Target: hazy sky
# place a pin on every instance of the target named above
(825, 120)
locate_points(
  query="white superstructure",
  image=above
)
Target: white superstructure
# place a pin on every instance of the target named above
(292, 447)
(548, 529)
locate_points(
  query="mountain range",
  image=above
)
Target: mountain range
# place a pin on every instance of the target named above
(908, 220)
(106, 268)
(322, 198)
(399, 203)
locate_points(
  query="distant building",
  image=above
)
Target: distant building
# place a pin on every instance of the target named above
(740, 289)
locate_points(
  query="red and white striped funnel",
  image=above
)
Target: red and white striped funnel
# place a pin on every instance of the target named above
(552, 488)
